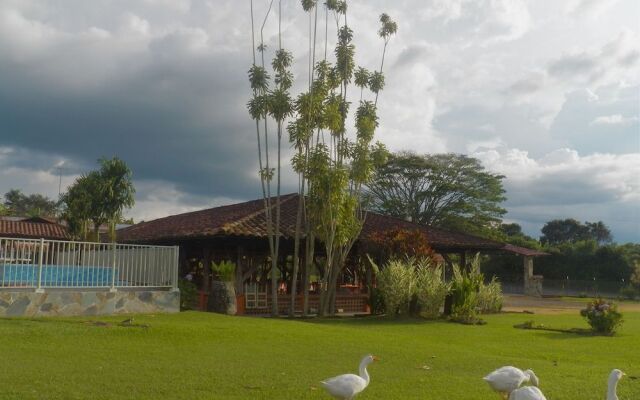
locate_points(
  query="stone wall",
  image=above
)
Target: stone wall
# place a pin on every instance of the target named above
(16, 303)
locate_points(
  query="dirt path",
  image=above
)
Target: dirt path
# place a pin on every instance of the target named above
(555, 305)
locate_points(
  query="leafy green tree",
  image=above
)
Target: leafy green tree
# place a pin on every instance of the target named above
(443, 190)
(599, 232)
(34, 205)
(100, 197)
(335, 163)
(332, 165)
(77, 205)
(116, 189)
(570, 230)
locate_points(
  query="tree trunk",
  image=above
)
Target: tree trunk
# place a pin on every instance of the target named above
(308, 263)
(274, 287)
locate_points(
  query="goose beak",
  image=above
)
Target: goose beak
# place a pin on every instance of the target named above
(375, 358)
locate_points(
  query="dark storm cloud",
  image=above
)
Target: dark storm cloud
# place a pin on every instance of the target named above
(181, 122)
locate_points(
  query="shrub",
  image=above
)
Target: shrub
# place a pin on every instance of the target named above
(464, 291)
(396, 282)
(603, 317)
(490, 297)
(376, 301)
(188, 294)
(431, 289)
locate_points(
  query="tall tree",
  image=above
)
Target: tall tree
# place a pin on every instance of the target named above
(338, 164)
(331, 164)
(274, 103)
(444, 190)
(34, 205)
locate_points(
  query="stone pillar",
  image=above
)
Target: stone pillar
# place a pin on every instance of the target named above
(532, 283)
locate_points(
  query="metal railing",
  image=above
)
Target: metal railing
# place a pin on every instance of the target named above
(40, 264)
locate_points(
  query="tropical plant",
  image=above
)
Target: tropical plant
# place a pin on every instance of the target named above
(331, 165)
(224, 271)
(602, 316)
(116, 192)
(397, 284)
(431, 288)
(99, 197)
(490, 298)
(464, 290)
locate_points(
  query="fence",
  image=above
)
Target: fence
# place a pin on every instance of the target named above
(569, 287)
(40, 264)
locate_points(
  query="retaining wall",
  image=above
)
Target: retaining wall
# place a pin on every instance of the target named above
(16, 303)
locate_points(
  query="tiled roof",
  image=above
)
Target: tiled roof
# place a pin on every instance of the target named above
(439, 239)
(248, 220)
(32, 230)
(523, 251)
(242, 219)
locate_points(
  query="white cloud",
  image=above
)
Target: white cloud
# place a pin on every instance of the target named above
(564, 184)
(615, 119)
(168, 78)
(590, 8)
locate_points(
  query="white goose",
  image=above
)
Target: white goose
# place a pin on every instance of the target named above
(527, 393)
(347, 386)
(507, 379)
(612, 384)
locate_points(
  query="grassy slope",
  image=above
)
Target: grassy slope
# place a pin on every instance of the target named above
(196, 355)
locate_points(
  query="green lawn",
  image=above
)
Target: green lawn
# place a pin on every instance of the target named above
(207, 356)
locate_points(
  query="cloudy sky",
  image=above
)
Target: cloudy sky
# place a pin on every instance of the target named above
(546, 92)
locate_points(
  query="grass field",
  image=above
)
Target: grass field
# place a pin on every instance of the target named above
(206, 356)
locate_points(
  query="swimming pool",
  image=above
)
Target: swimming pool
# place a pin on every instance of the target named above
(26, 275)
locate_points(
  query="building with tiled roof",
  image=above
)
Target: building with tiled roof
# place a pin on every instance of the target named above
(238, 232)
(247, 220)
(27, 229)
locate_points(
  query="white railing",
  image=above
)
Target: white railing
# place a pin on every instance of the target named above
(40, 264)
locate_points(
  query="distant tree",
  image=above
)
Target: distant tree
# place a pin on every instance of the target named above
(77, 206)
(34, 205)
(599, 232)
(100, 197)
(3, 210)
(511, 229)
(117, 191)
(570, 230)
(444, 190)
(512, 233)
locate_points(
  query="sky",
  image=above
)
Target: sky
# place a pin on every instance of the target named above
(545, 92)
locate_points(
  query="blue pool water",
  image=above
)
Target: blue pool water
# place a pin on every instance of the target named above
(55, 275)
